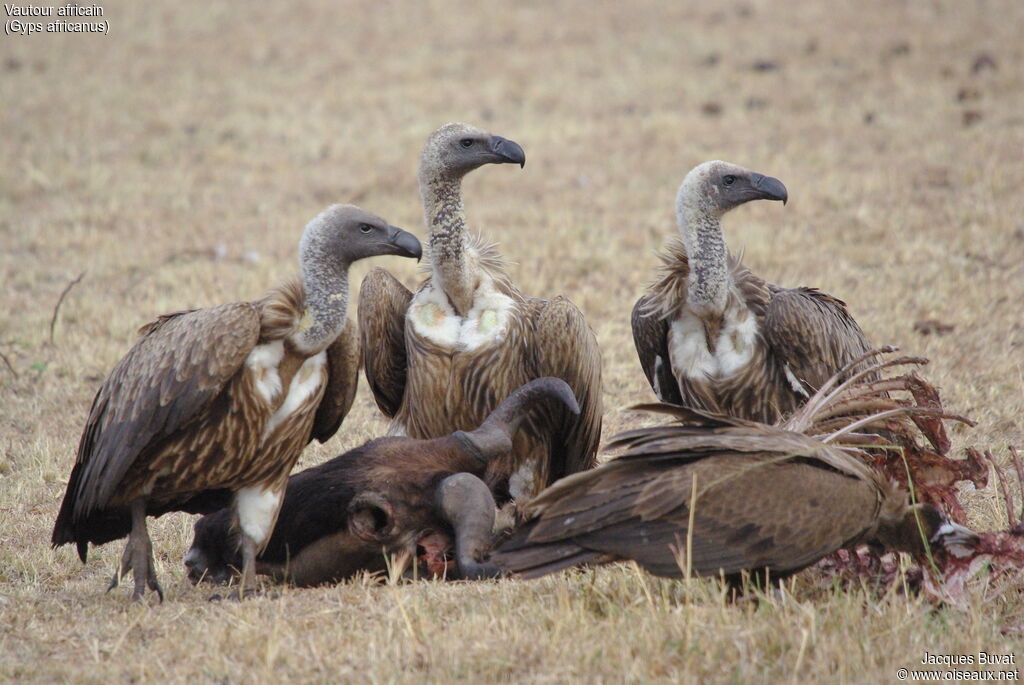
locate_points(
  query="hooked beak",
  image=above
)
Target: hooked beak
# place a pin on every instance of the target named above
(508, 151)
(769, 188)
(405, 243)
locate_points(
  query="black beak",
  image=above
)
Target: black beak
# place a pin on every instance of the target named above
(769, 188)
(508, 151)
(405, 243)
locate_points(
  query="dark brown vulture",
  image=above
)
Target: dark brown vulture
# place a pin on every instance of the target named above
(406, 496)
(722, 495)
(219, 402)
(719, 338)
(441, 359)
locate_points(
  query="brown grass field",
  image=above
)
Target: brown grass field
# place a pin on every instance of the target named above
(176, 160)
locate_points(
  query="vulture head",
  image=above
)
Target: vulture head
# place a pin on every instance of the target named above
(454, 150)
(920, 528)
(716, 187)
(346, 233)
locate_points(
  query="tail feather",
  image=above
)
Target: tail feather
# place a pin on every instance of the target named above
(533, 560)
(545, 558)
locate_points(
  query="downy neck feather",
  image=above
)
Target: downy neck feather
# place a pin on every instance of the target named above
(450, 251)
(325, 280)
(700, 225)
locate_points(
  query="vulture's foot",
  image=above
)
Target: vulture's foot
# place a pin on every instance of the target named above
(123, 568)
(138, 558)
(241, 594)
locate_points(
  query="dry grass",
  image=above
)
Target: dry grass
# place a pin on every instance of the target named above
(195, 125)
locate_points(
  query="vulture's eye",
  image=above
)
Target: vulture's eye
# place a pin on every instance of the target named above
(365, 228)
(728, 180)
(466, 142)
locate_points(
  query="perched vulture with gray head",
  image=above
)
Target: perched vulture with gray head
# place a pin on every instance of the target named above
(442, 359)
(712, 335)
(219, 402)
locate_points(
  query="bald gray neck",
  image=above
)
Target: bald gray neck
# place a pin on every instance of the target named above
(446, 221)
(326, 284)
(701, 227)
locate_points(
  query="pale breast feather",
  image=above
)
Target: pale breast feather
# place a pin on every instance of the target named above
(690, 354)
(432, 317)
(688, 348)
(262, 363)
(306, 384)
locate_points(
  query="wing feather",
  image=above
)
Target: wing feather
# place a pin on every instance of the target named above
(650, 337)
(813, 334)
(343, 362)
(564, 346)
(383, 302)
(179, 364)
(751, 512)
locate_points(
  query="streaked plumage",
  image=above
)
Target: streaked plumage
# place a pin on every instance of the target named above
(775, 498)
(219, 402)
(442, 359)
(718, 337)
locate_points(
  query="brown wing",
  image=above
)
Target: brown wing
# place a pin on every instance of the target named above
(751, 513)
(343, 363)
(813, 334)
(564, 346)
(650, 336)
(179, 365)
(383, 302)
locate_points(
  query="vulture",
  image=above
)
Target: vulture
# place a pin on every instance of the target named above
(400, 494)
(216, 403)
(441, 359)
(713, 336)
(722, 495)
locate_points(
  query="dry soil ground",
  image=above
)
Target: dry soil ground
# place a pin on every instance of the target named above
(175, 161)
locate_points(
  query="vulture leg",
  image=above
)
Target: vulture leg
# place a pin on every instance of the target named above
(247, 586)
(256, 510)
(467, 504)
(138, 556)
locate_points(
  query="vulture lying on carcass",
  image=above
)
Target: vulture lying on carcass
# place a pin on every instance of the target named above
(441, 359)
(217, 404)
(714, 336)
(720, 495)
(395, 494)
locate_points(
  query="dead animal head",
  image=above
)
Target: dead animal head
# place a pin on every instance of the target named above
(214, 555)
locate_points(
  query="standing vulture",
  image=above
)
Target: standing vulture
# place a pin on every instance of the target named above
(221, 401)
(719, 338)
(442, 359)
(723, 495)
